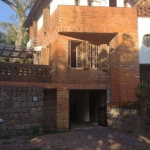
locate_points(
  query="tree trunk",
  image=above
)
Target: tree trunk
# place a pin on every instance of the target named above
(20, 34)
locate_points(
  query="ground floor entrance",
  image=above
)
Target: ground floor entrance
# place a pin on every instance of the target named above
(87, 108)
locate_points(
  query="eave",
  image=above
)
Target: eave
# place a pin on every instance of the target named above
(29, 19)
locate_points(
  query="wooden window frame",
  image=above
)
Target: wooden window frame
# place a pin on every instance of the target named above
(88, 56)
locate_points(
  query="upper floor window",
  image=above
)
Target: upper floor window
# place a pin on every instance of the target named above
(77, 2)
(146, 40)
(112, 3)
(86, 55)
(89, 3)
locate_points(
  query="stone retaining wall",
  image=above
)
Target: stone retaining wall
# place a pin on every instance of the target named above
(21, 109)
(128, 120)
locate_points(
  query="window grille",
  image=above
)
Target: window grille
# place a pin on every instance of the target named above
(146, 40)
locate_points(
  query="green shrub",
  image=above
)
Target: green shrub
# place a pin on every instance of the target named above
(35, 131)
(142, 90)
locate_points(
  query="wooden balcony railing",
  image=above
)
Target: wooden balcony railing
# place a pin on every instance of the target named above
(143, 11)
(24, 72)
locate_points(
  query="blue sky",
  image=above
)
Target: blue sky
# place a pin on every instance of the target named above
(5, 12)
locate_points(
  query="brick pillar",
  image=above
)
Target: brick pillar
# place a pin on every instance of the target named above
(62, 109)
(124, 68)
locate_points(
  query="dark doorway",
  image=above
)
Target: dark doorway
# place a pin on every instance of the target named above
(112, 3)
(88, 107)
(49, 110)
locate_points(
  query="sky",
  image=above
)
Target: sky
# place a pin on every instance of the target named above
(5, 12)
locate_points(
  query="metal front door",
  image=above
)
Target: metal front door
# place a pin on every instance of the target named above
(102, 110)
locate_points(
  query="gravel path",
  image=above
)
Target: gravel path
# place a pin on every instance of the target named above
(98, 138)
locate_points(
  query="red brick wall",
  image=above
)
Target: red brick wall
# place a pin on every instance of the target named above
(88, 23)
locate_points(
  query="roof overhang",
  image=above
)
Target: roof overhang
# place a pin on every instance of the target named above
(30, 17)
(10, 51)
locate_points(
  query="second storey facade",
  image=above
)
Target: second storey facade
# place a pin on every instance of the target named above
(92, 47)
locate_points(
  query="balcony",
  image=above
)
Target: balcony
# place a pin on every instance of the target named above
(143, 11)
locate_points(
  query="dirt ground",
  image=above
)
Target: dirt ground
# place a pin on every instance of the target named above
(97, 138)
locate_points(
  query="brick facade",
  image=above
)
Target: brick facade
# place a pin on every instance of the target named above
(116, 27)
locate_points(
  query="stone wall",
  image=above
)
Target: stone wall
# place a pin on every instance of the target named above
(21, 109)
(128, 120)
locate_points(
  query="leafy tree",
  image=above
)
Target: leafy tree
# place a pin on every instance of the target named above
(2, 37)
(20, 7)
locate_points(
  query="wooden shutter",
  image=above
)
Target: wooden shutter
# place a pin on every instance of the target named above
(30, 32)
(79, 55)
(34, 39)
(45, 56)
(46, 17)
(85, 63)
(35, 29)
(103, 57)
(69, 53)
(49, 53)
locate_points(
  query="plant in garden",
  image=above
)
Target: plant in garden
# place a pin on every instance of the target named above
(142, 91)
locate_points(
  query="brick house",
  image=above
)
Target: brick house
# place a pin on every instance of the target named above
(92, 47)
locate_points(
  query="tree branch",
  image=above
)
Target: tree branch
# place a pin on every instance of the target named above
(18, 5)
(11, 5)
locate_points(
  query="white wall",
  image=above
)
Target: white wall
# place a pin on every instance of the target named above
(143, 29)
(40, 22)
(120, 3)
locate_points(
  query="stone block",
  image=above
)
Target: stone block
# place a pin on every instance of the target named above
(14, 93)
(17, 127)
(41, 103)
(23, 126)
(24, 99)
(3, 93)
(24, 110)
(19, 110)
(4, 127)
(19, 99)
(19, 89)
(7, 122)
(29, 89)
(1, 104)
(16, 116)
(31, 104)
(2, 110)
(13, 110)
(24, 89)
(27, 126)
(17, 104)
(2, 98)
(5, 116)
(11, 116)
(8, 104)
(14, 99)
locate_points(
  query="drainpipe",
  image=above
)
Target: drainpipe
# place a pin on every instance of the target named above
(109, 89)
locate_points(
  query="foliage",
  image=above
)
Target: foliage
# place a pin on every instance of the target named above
(2, 37)
(21, 7)
(142, 90)
(35, 131)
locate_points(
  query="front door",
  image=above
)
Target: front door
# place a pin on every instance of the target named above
(102, 110)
